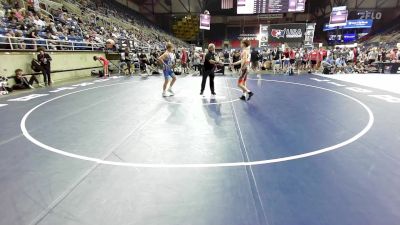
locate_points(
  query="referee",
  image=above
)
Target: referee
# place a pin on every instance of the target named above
(209, 66)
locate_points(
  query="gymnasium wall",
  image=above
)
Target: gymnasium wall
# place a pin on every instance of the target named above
(10, 61)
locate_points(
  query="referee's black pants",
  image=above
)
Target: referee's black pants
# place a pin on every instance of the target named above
(208, 73)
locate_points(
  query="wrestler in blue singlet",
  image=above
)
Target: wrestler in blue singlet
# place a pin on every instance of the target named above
(168, 63)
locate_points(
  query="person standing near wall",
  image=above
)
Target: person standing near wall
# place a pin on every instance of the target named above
(105, 64)
(184, 61)
(314, 59)
(197, 61)
(276, 59)
(255, 57)
(45, 63)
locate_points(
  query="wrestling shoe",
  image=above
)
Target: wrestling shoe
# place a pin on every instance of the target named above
(250, 95)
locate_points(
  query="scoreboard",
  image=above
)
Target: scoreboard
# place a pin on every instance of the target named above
(270, 6)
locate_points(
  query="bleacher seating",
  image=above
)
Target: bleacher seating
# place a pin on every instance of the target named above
(79, 20)
(390, 36)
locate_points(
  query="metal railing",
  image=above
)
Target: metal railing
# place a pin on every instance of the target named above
(19, 43)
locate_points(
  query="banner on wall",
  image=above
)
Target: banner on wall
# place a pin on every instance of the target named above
(263, 36)
(286, 33)
(369, 14)
(351, 24)
(250, 37)
(309, 36)
(205, 21)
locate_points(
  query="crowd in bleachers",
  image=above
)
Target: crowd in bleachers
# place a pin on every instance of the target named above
(50, 24)
(389, 36)
(53, 24)
(23, 19)
(291, 61)
(361, 60)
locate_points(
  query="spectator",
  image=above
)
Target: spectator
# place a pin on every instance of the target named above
(305, 60)
(276, 60)
(314, 59)
(105, 64)
(51, 29)
(32, 33)
(45, 63)
(340, 64)
(255, 57)
(350, 56)
(127, 59)
(285, 59)
(372, 56)
(10, 39)
(226, 56)
(39, 23)
(292, 57)
(14, 14)
(20, 44)
(143, 61)
(236, 58)
(184, 61)
(328, 65)
(197, 61)
(356, 54)
(22, 82)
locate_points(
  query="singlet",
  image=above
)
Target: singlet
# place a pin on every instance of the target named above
(104, 60)
(247, 62)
